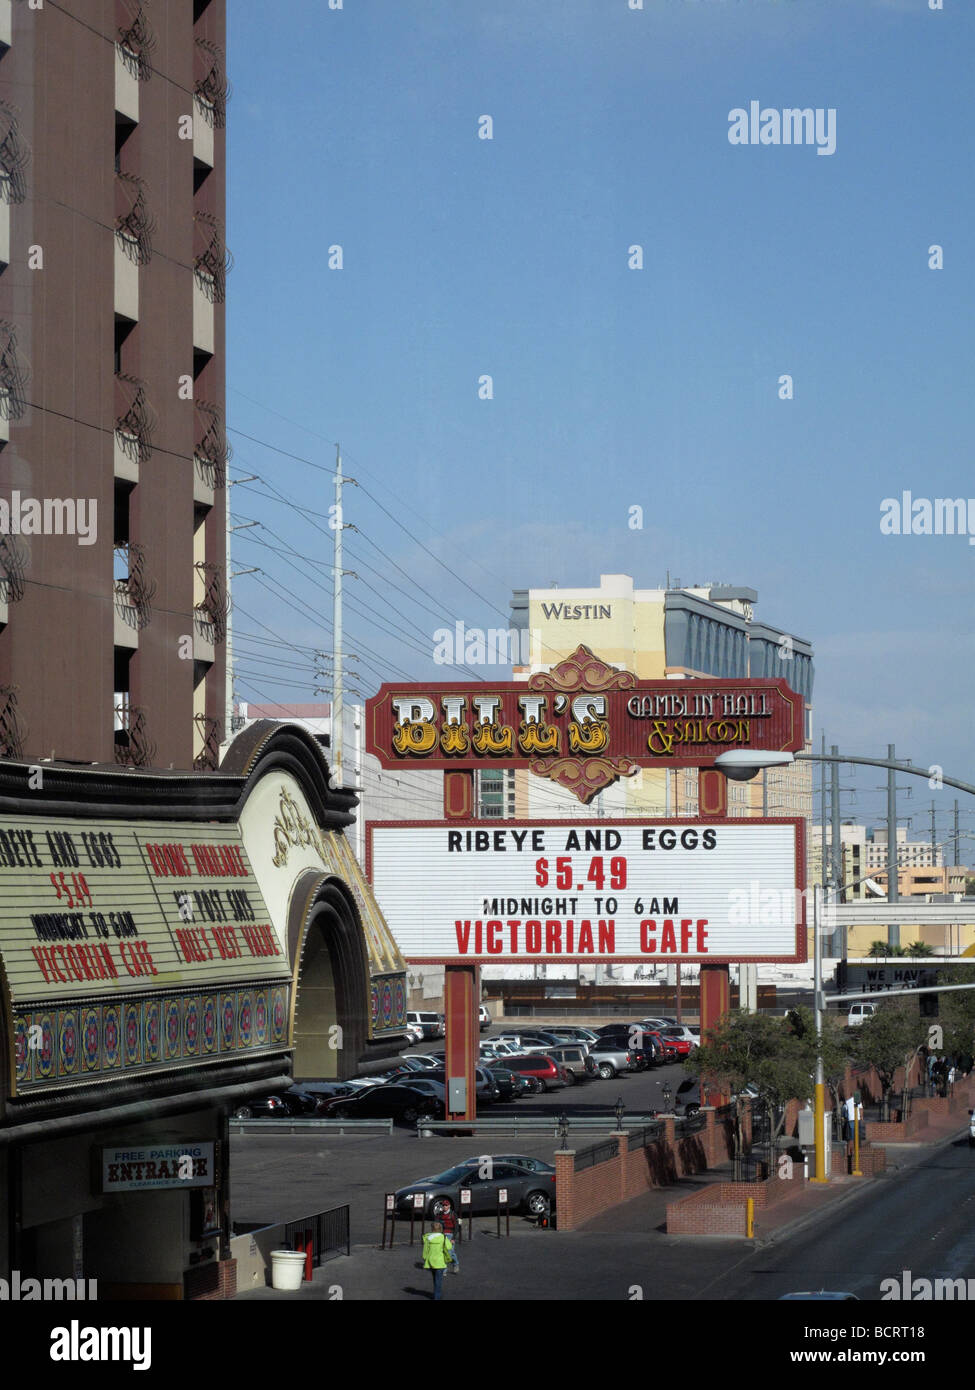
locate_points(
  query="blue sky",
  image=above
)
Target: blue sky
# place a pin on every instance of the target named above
(612, 387)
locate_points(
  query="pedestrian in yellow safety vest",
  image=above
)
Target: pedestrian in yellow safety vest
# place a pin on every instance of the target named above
(437, 1252)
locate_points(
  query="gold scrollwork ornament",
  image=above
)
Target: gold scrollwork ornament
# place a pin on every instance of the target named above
(455, 739)
(493, 738)
(534, 737)
(414, 736)
(591, 736)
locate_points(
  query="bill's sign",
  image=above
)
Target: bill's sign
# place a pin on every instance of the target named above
(583, 724)
(613, 891)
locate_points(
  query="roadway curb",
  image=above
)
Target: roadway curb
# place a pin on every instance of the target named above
(801, 1222)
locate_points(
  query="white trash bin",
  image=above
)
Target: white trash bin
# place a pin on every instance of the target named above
(287, 1269)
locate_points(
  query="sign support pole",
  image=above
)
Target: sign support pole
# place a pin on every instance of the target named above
(712, 792)
(462, 983)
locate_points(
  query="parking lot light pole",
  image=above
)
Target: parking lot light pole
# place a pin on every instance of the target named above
(620, 1111)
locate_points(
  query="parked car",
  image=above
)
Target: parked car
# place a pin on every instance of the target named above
(548, 1074)
(396, 1102)
(486, 1088)
(528, 1191)
(431, 1025)
(510, 1084)
(429, 1059)
(680, 1030)
(413, 1034)
(419, 1066)
(859, 1012)
(612, 1059)
(571, 1033)
(644, 1050)
(679, 1046)
(426, 1085)
(534, 1165)
(530, 1039)
(282, 1105)
(484, 1017)
(494, 1047)
(326, 1090)
(575, 1061)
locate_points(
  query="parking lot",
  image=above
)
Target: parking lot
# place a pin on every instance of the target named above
(325, 1170)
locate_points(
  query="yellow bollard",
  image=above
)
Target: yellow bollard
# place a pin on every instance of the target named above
(750, 1217)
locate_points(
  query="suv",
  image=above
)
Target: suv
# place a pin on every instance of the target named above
(483, 1017)
(547, 1074)
(575, 1061)
(611, 1058)
(430, 1025)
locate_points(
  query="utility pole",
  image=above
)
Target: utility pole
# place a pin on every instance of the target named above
(957, 861)
(228, 728)
(893, 887)
(822, 815)
(336, 748)
(934, 840)
(837, 855)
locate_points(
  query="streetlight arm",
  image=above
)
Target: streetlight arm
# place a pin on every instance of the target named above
(886, 762)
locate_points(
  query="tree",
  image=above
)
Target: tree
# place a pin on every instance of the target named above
(776, 1055)
(920, 948)
(956, 1011)
(889, 1038)
(883, 948)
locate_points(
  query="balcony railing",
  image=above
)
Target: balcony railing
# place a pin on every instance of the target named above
(15, 156)
(13, 568)
(136, 41)
(209, 730)
(211, 260)
(14, 374)
(212, 451)
(135, 419)
(134, 591)
(133, 747)
(211, 612)
(134, 227)
(12, 731)
(211, 86)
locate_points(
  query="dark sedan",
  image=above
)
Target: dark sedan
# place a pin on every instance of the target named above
(282, 1105)
(530, 1192)
(390, 1102)
(510, 1084)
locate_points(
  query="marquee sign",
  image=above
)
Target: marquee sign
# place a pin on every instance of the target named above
(583, 724)
(608, 891)
(110, 908)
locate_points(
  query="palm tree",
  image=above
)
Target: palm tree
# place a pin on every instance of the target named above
(878, 948)
(920, 948)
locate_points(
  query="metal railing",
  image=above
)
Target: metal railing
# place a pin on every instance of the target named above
(297, 1124)
(690, 1124)
(649, 1134)
(329, 1232)
(594, 1155)
(533, 1124)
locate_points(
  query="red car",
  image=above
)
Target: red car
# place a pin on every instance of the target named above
(536, 1066)
(681, 1047)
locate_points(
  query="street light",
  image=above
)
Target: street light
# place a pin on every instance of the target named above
(742, 765)
(667, 1093)
(620, 1109)
(563, 1127)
